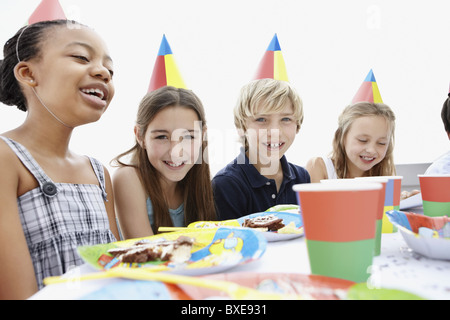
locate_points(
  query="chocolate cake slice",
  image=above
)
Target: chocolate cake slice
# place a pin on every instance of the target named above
(177, 251)
(270, 222)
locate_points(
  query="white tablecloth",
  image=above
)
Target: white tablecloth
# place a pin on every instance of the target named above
(397, 267)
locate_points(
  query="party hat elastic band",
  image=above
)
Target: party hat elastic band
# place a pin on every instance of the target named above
(272, 64)
(165, 71)
(368, 91)
(47, 10)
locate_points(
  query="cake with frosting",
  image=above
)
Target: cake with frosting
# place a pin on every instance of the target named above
(269, 222)
(177, 251)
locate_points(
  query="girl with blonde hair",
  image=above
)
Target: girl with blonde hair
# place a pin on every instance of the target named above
(363, 144)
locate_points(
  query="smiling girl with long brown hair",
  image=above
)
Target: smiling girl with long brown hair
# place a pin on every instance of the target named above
(167, 179)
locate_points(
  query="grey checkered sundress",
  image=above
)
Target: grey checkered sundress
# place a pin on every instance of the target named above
(58, 217)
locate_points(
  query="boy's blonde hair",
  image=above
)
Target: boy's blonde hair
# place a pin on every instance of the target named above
(352, 112)
(270, 95)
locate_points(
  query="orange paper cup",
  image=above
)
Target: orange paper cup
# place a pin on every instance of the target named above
(435, 191)
(339, 221)
(391, 201)
(380, 211)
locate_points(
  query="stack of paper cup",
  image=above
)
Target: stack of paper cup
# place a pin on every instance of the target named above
(339, 223)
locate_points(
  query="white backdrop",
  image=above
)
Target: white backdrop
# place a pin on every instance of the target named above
(329, 46)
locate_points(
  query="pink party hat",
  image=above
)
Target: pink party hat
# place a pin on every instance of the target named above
(47, 10)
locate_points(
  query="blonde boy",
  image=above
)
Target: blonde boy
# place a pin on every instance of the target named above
(268, 116)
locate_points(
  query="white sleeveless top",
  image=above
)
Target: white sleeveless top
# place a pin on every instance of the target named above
(331, 171)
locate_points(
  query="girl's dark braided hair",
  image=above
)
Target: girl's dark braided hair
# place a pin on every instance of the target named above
(23, 46)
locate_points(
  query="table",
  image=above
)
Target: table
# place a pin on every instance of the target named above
(397, 267)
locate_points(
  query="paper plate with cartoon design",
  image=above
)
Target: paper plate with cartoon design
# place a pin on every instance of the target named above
(293, 225)
(291, 208)
(292, 220)
(213, 250)
(429, 236)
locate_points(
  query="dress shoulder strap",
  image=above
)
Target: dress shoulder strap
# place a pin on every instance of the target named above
(331, 171)
(46, 184)
(100, 173)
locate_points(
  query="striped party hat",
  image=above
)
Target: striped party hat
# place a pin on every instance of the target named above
(47, 10)
(272, 64)
(165, 71)
(368, 91)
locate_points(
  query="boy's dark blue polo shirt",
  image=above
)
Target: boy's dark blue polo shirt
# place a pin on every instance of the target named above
(239, 189)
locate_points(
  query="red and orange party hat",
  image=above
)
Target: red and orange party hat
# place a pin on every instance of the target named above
(47, 10)
(272, 64)
(368, 91)
(165, 71)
